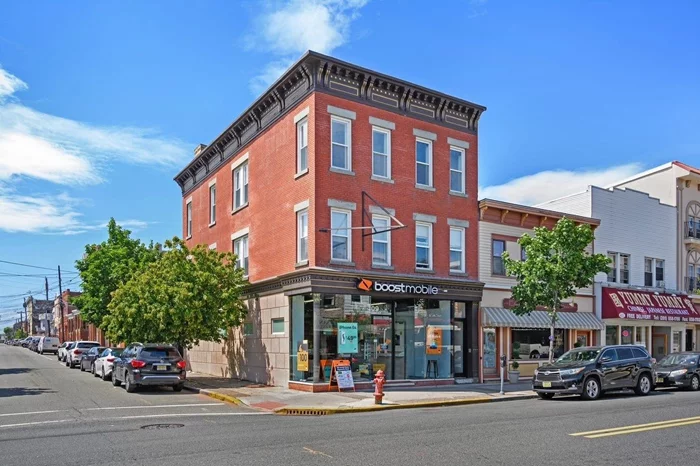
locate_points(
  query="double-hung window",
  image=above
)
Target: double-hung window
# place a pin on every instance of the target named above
(381, 153)
(624, 268)
(619, 268)
(424, 246)
(302, 145)
(341, 247)
(240, 186)
(189, 219)
(654, 272)
(498, 247)
(659, 266)
(457, 181)
(240, 249)
(212, 204)
(612, 271)
(381, 240)
(648, 272)
(424, 162)
(456, 249)
(340, 144)
(302, 235)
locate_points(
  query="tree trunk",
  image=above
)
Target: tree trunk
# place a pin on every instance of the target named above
(551, 338)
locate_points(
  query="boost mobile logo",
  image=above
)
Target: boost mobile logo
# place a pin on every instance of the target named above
(365, 285)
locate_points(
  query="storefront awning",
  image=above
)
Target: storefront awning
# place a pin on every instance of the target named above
(501, 317)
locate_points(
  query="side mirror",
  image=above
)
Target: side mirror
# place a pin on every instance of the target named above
(606, 359)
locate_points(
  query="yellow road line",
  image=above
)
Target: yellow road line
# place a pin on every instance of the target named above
(649, 426)
(644, 429)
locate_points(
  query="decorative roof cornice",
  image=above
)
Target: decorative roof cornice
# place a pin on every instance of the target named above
(317, 72)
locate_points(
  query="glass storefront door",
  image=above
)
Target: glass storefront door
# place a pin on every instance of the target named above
(489, 350)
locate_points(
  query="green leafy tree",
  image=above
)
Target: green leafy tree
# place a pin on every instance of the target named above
(20, 334)
(9, 333)
(106, 266)
(187, 296)
(557, 265)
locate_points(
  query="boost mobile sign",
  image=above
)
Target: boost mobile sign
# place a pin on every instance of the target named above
(369, 285)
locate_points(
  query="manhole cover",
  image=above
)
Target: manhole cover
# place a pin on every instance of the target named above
(163, 426)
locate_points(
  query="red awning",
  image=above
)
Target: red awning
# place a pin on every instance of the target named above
(645, 305)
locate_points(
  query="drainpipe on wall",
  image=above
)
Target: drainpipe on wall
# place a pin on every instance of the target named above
(679, 234)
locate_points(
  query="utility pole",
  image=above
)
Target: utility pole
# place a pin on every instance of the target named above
(60, 304)
(48, 324)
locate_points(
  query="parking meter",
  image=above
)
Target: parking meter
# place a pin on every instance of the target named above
(503, 367)
(503, 361)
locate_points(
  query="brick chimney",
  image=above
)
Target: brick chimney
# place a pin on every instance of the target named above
(199, 149)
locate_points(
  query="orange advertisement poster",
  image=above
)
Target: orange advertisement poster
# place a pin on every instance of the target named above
(433, 343)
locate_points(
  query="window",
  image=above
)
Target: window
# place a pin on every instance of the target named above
(424, 162)
(619, 268)
(302, 145)
(457, 170)
(659, 266)
(639, 353)
(189, 219)
(381, 153)
(277, 326)
(533, 343)
(240, 186)
(424, 246)
(624, 268)
(612, 272)
(498, 267)
(654, 272)
(340, 235)
(248, 329)
(610, 353)
(212, 204)
(240, 249)
(648, 275)
(523, 254)
(381, 241)
(302, 235)
(625, 353)
(340, 143)
(457, 249)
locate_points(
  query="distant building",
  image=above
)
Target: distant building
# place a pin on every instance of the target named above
(72, 326)
(39, 313)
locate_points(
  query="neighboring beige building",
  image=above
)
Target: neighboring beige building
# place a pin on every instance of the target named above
(678, 185)
(501, 224)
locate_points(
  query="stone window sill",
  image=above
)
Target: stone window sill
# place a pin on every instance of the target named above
(301, 173)
(425, 188)
(238, 209)
(341, 262)
(382, 180)
(458, 274)
(342, 171)
(304, 263)
(382, 267)
(428, 271)
(454, 193)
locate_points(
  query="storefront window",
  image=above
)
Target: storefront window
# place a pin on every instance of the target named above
(626, 335)
(533, 343)
(489, 350)
(677, 337)
(611, 335)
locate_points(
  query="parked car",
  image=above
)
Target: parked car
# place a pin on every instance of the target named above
(48, 345)
(76, 351)
(591, 371)
(63, 350)
(34, 343)
(87, 359)
(105, 362)
(679, 370)
(25, 342)
(149, 364)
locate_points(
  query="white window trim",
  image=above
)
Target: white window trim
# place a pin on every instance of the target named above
(240, 233)
(388, 153)
(242, 239)
(240, 161)
(244, 170)
(430, 161)
(212, 204)
(654, 263)
(272, 326)
(461, 170)
(300, 214)
(430, 246)
(348, 232)
(304, 122)
(462, 234)
(388, 240)
(188, 218)
(348, 139)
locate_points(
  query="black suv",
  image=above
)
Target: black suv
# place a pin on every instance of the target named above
(149, 364)
(590, 371)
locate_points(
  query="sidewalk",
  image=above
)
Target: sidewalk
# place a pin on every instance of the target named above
(292, 402)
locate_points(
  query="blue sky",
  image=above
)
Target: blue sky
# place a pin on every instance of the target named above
(101, 103)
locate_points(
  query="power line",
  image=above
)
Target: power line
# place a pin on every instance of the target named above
(31, 266)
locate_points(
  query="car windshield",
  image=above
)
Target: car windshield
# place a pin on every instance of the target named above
(87, 345)
(579, 355)
(116, 352)
(679, 359)
(159, 353)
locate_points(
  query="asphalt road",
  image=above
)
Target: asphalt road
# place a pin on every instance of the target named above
(92, 423)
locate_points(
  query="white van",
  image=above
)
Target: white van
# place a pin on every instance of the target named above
(48, 345)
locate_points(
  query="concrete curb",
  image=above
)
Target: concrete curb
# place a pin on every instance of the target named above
(367, 409)
(216, 395)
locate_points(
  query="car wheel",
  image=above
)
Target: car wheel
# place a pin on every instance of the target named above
(82, 366)
(129, 385)
(178, 388)
(546, 396)
(104, 377)
(67, 363)
(94, 372)
(695, 383)
(591, 389)
(643, 385)
(41, 352)
(115, 381)
(534, 355)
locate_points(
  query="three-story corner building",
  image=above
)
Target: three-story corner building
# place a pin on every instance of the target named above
(350, 199)
(526, 337)
(678, 185)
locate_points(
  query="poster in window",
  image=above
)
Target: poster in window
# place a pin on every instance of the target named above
(348, 341)
(433, 344)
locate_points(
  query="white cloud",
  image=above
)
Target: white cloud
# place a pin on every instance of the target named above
(552, 184)
(292, 27)
(44, 147)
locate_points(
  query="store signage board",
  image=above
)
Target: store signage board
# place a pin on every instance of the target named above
(348, 341)
(365, 284)
(341, 375)
(645, 305)
(433, 344)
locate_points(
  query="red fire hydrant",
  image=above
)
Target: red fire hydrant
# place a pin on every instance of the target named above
(378, 387)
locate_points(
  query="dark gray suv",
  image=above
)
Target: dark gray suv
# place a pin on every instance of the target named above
(590, 371)
(149, 364)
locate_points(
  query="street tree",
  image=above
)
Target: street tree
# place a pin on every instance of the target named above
(9, 333)
(557, 264)
(187, 296)
(20, 334)
(106, 266)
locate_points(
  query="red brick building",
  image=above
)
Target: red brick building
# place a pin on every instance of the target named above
(337, 174)
(71, 326)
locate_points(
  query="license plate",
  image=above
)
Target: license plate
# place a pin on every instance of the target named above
(161, 368)
(546, 384)
(659, 380)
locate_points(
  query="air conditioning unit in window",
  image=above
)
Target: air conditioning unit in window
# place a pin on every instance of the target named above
(660, 284)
